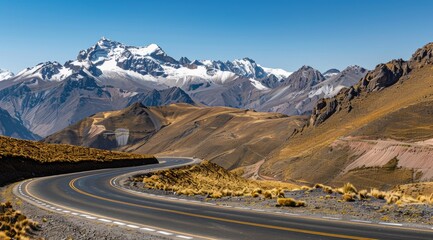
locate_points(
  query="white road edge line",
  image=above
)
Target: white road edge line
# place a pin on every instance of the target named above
(361, 221)
(332, 218)
(165, 233)
(119, 223)
(104, 220)
(148, 229)
(132, 226)
(184, 237)
(391, 224)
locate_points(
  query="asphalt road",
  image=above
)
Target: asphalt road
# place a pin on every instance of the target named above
(93, 195)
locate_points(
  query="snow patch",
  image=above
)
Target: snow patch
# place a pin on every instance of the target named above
(277, 72)
(258, 85)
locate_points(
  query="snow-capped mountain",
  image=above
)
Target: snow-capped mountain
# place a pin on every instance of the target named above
(110, 75)
(5, 74)
(150, 67)
(331, 72)
(298, 93)
(48, 71)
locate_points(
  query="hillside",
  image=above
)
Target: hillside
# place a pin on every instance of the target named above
(23, 159)
(376, 133)
(227, 136)
(11, 127)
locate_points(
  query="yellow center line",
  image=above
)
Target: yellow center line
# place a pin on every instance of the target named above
(106, 217)
(325, 234)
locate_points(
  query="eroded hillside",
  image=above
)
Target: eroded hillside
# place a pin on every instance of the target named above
(356, 135)
(227, 136)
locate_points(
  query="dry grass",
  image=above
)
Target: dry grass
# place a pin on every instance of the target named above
(290, 202)
(211, 180)
(349, 197)
(42, 152)
(377, 194)
(350, 193)
(363, 194)
(13, 224)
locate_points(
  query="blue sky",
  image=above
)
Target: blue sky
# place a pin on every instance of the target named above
(285, 34)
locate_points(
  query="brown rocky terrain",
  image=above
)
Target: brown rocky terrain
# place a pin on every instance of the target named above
(376, 134)
(229, 137)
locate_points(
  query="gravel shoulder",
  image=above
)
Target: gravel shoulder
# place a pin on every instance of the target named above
(321, 205)
(56, 226)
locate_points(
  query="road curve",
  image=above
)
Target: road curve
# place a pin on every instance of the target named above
(95, 196)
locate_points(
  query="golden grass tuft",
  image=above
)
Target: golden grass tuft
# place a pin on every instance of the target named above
(363, 194)
(377, 194)
(13, 224)
(267, 194)
(349, 197)
(349, 188)
(328, 189)
(290, 202)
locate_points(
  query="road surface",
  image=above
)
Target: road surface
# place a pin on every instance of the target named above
(96, 196)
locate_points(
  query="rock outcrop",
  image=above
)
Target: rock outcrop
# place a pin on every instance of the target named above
(383, 76)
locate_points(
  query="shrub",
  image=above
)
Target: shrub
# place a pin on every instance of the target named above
(328, 189)
(290, 202)
(349, 188)
(349, 197)
(392, 197)
(363, 194)
(267, 194)
(377, 194)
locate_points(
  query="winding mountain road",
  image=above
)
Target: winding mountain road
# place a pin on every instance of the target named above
(97, 196)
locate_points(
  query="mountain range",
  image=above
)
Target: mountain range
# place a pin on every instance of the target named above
(110, 76)
(376, 133)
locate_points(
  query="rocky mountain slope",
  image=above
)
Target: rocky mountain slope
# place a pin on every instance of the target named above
(228, 136)
(47, 106)
(376, 133)
(299, 93)
(11, 127)
(110, 76)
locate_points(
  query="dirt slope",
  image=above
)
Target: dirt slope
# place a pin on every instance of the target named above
(354, 135)
(229, 137)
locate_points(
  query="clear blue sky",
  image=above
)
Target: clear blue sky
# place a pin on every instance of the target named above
(285, 34)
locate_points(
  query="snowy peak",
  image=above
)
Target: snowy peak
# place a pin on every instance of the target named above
(331, 72)
(5, 74)
(277, 72)
(48, 71)
(247, 67)
(108, 59)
